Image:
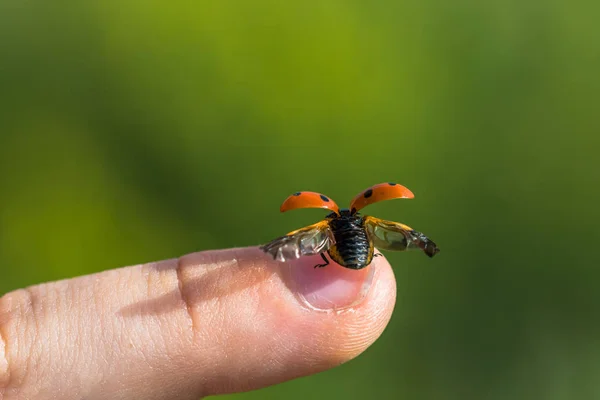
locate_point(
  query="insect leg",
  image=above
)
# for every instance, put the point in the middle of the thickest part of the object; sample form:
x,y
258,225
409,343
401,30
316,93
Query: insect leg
x,y
377,255
324,259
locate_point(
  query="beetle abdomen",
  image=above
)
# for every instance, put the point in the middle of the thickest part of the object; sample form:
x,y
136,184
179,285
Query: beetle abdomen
x,y
352,247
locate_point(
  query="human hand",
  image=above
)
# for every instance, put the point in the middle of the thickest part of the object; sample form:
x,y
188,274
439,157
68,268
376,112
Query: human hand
x,y
207,323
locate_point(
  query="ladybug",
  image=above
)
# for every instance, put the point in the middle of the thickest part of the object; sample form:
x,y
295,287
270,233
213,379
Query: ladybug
x,y
348,237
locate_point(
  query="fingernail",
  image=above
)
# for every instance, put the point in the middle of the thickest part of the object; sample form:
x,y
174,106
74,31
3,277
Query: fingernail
x,y
332,287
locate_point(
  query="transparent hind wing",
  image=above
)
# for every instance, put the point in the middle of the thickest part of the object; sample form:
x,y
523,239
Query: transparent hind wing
x,y
394,236
310,240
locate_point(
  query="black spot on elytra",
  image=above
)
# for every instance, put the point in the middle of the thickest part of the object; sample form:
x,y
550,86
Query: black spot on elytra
x,y
392,183
324,198
368,193
297,193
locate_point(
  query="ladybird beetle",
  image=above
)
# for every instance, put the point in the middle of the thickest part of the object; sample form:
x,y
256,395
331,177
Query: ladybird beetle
x,y
344,234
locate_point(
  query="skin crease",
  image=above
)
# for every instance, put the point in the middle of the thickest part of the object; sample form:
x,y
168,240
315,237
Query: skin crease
x,y
207,323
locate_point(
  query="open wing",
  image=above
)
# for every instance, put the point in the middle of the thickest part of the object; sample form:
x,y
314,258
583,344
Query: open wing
x,y
394,236
310,240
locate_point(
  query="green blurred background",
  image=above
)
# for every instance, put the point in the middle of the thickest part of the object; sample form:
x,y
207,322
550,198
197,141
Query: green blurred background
x,y
138,131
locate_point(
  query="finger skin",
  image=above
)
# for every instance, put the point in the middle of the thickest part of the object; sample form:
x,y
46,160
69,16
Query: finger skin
x,y
206,323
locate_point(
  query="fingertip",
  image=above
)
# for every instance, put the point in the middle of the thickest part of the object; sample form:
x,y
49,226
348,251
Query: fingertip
x,y
346,332
288,314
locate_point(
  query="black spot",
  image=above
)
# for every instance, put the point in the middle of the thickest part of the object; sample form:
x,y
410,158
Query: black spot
x,y
392,183
353,211
368,193
324,198
297,193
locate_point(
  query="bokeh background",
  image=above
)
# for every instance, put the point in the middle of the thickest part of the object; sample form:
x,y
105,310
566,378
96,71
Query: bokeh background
x,y
137,131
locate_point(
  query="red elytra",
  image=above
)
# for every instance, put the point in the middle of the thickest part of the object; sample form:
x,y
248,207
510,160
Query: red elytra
x,y
380,192
309,200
